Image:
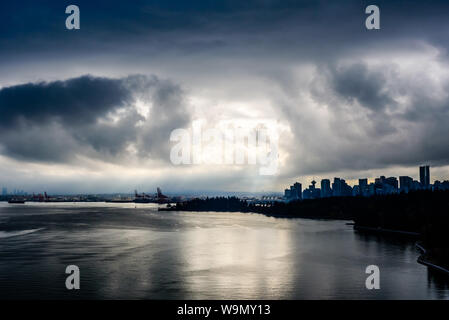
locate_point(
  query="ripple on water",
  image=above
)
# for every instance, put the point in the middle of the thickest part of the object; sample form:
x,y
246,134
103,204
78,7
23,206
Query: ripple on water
x,y
9,234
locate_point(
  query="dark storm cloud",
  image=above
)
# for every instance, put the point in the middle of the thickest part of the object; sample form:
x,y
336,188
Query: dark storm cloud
x,y
169,111
89,116
79,100
376,117
310,28
357,83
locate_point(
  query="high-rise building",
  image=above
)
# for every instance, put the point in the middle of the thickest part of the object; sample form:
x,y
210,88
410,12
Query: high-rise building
x,y
388,185
392,182
336,187
294,193
424,176
340,188
345,189
406,184
363,183
326,190
4,191
356,191
362,188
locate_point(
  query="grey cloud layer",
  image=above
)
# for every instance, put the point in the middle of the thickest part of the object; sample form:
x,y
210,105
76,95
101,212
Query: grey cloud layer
x,y
90,116
313,29
346,115
366,117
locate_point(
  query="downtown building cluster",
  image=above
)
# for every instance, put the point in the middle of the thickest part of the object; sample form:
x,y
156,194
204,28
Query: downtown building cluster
x,y
15,192
380,186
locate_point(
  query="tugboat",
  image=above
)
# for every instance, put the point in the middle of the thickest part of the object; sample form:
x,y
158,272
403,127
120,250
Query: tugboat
x,y
16,201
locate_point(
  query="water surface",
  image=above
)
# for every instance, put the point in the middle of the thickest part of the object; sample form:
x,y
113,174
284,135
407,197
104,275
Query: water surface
x,y
126,251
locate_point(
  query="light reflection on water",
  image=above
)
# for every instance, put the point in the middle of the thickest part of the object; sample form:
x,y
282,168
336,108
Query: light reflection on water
x,y
126,251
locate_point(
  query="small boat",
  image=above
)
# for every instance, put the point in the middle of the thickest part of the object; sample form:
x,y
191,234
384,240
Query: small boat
x,y
142,200
14,200
119,201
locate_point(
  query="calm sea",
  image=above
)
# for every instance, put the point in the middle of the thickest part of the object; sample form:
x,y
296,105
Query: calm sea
x,y
126,251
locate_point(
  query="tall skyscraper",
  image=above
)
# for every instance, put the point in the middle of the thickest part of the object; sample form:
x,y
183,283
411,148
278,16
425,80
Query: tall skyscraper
x,y
406,183
393,182
4,191
326,190
424,175
346,190
363,183
298,191
294,193
337,187
362,188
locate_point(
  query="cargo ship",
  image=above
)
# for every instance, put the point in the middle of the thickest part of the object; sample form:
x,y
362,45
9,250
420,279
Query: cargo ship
x,y
145,198
16,201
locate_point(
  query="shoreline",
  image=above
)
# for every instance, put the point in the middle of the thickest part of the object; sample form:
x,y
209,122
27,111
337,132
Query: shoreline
x,y
387,231
422,260
271,215
422,257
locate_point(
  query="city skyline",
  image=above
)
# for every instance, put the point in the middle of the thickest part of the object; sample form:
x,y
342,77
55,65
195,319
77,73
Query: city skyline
x,y
365,187
327,186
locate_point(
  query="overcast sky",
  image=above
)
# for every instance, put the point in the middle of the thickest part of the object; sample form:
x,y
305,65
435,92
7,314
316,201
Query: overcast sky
x,y
91,110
